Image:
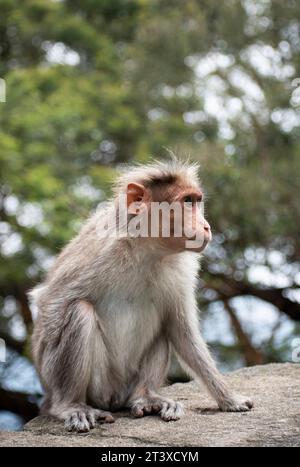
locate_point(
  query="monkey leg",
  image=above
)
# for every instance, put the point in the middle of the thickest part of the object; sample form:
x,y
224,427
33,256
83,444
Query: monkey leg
x,y
66,368
145,400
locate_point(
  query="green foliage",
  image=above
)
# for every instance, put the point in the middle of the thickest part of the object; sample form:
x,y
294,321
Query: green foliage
x,y
135,85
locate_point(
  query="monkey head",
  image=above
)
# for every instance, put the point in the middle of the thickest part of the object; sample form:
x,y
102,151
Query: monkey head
x,y
168,210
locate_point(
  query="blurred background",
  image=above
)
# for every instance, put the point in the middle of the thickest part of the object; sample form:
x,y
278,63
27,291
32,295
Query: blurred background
x,y
93,84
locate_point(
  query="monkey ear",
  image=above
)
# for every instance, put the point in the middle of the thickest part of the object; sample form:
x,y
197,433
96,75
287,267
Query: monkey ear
x,y
135,198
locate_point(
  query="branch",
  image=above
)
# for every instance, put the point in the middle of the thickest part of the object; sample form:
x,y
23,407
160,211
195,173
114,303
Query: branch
x,y
228,287
25,310
251,354
18,403
19,293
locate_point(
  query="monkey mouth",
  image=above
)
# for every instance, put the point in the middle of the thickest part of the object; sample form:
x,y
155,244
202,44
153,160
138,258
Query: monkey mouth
x,y
208,237
198,244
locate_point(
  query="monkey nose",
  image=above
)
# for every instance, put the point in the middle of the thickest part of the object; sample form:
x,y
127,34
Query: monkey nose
x,y
206,226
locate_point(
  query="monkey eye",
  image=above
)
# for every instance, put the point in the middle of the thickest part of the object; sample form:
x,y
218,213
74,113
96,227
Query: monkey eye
x,y
188,200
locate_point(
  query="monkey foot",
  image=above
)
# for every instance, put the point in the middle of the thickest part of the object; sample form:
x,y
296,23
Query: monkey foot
x,y
237,404
83,419
166,408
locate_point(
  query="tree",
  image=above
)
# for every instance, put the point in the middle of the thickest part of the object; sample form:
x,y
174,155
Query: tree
x,y
93,84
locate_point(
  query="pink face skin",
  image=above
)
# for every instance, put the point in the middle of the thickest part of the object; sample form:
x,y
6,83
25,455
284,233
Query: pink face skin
x,y
199,225
196,230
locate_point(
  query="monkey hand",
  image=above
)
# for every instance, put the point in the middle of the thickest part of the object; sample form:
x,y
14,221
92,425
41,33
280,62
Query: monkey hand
x,y
236,403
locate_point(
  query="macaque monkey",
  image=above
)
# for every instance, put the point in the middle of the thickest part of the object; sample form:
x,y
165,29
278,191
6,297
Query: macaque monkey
x,y
113,306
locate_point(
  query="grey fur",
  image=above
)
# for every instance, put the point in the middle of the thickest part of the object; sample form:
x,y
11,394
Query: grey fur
x,y
108,312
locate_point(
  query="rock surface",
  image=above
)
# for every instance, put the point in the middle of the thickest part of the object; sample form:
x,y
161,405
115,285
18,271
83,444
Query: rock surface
x,y
275,420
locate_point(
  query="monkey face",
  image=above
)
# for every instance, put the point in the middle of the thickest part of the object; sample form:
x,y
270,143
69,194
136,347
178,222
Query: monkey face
x,y
185,228
171,215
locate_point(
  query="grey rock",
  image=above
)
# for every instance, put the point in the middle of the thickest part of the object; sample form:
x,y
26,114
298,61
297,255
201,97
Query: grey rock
x,y
275,420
